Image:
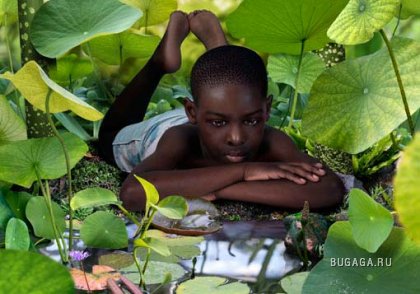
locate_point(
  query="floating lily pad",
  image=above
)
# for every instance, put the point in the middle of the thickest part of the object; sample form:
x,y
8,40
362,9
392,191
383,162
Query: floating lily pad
x,y
371,222
116,260
293,284
12,127
60,25
211,285
200,220
407,190
281,26
70,68
25,272
34,84
346,268
104,230
93,197
17,235
155,272
39,216
117,48
97,280
283,69
358,102
22,160
360,19
155,11
8,11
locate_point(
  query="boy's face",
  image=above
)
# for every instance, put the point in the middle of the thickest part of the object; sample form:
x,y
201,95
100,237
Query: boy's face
x,y
230,120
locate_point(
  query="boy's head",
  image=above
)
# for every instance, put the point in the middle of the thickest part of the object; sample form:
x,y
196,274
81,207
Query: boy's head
x,y
230,108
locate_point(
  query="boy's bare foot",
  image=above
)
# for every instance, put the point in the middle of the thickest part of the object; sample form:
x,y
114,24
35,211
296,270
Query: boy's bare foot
x,y
168,53
207,29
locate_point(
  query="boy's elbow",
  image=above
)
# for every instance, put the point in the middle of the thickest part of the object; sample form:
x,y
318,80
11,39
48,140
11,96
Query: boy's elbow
x,y
335,191
133,198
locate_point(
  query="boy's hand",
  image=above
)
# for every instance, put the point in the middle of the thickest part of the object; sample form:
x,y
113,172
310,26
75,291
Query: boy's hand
x,y
294,171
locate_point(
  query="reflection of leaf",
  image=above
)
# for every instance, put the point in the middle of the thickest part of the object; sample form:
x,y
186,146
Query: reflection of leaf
x,y
358,102
93,197
96,280
211,285
155,272
12,128
60,25
34,84
371,222
280,26
365,272
155,11
407,190
360,19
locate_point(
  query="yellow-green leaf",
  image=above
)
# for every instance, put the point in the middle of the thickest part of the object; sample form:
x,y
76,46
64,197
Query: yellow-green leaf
x,y
12,128
154,11
152,195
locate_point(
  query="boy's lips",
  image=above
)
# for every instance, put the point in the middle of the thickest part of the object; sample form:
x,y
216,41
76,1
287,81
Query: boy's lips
x,y
235,156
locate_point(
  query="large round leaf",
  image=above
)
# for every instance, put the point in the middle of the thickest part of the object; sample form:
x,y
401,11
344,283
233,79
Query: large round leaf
x,y
104,230
12,128
357,102
281,26
117,48
38,214
155,11
29,272
155,272
360,19
346,268
407,190
293,284
283,69
17,235
371,222
34,84
21,160
92,197
60,25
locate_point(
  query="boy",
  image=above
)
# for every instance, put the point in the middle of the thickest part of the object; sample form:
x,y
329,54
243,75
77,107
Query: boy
x,y
222,148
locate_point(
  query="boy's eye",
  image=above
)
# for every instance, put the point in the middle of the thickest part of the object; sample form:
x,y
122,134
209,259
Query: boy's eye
x,y
251,122
218,123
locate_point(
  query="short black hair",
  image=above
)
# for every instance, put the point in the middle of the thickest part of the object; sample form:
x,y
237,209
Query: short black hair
x,y
229,65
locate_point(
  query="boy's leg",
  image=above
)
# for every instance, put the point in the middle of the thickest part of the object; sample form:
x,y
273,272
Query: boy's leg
x,y
206,27
131,105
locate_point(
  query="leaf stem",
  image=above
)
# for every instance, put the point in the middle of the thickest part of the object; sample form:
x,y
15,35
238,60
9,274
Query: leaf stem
x,y
295,95
128,215
400,84
141,283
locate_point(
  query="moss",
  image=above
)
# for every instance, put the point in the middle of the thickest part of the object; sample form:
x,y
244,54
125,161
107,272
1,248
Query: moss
x,y
338,161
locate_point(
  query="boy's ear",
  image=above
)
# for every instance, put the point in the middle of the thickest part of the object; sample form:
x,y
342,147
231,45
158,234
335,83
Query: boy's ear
x,y
268,102
190,110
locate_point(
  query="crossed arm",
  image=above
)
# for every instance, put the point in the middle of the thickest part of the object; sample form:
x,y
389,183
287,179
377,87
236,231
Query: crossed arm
x,y
287,181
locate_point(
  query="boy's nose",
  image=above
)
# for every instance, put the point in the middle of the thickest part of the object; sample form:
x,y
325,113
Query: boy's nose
x,y
235,136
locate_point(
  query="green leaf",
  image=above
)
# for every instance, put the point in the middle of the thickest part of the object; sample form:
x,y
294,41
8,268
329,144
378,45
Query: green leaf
x,y
409,7
8,11
293,284
283,69
360,19
22,160
73,126
365,272
17,235
155,272
173,240
155,11
280,26
70,68
117,48
60,25
39,216
407,190
28,272
371,222
34,84
93,197
211,285
174,207
358,102
154,244
152,195
104,230
12,128
17,202
5,211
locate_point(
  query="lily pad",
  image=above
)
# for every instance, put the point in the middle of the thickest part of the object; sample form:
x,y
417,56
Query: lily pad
x,y
17,235
155,272
8,11
25,272
360,19
34,84
358,102
200,220
371,222
293,284
22,160
173,240
104,230
93,197
12,128
407,190
116,260
70,68
155,11
116,49
211,285
60,25
346,268
283,69
97,280
281,26
39,216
